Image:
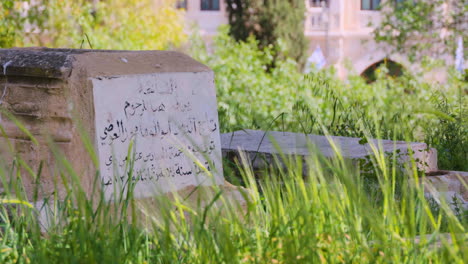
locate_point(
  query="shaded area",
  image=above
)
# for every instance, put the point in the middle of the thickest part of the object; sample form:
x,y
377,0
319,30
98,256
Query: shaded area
x,y
395,69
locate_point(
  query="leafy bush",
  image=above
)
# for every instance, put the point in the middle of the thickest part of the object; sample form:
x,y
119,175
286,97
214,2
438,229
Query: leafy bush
x,y
271,23
110,24
248,94
403,108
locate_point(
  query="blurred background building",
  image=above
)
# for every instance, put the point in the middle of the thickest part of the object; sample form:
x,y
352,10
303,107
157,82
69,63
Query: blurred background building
x,y
340,29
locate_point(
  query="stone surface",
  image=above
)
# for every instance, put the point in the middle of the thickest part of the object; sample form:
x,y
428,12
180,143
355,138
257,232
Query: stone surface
x,y
196,198
448,185
438,240
157,106
170,117
271,143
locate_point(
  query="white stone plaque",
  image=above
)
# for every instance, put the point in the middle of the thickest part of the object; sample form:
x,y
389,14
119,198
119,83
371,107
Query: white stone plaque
x,y
158,132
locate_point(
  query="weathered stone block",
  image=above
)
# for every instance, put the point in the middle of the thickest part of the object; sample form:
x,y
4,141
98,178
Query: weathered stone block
x,y
261,147
154,108
448,185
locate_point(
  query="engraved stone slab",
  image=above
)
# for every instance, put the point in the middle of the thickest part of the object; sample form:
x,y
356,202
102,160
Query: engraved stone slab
x,y
150,115
166,123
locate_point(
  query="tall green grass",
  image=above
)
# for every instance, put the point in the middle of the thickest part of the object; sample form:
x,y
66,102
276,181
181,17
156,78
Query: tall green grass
x,y
328,215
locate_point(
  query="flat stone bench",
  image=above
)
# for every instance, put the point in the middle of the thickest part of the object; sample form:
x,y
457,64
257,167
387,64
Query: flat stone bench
x,y
267,145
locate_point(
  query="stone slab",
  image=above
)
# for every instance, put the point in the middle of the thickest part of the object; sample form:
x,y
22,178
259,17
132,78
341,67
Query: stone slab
x,y
271,143
448,185
171,120
193,197
157,108
59,63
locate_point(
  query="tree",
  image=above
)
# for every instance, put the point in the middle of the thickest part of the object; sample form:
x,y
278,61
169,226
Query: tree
x,y
273,22
423,28
105,24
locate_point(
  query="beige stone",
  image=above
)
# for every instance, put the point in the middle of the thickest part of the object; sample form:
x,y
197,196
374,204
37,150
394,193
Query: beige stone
x,y
261,147
61,95
220,200
447,185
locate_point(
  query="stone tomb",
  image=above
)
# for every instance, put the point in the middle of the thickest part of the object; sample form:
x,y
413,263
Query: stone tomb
x,y
261,147
152,113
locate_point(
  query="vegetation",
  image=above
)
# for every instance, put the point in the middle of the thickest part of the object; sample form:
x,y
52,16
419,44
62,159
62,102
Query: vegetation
x,y
336,214
423,28
408,107
329,217
13,22
273,23
91,24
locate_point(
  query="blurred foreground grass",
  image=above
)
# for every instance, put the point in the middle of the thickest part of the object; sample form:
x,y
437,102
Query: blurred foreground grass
x,y
329,216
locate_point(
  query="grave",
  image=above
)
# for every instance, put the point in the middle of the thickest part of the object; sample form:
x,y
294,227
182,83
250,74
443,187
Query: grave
x,y
261,148
151,113
264,148
450,186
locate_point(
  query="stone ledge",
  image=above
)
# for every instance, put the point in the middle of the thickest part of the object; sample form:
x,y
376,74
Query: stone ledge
x,y
192,197
59,63
448,185
271,143
35,62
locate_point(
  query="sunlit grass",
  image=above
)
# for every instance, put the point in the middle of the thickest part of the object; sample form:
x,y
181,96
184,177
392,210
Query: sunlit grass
x,y
332,214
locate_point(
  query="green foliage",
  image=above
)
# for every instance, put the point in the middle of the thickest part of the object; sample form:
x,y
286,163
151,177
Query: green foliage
x,y
451,135
248,94
407,107
273,22
423,28
9,22
110,24
17,20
